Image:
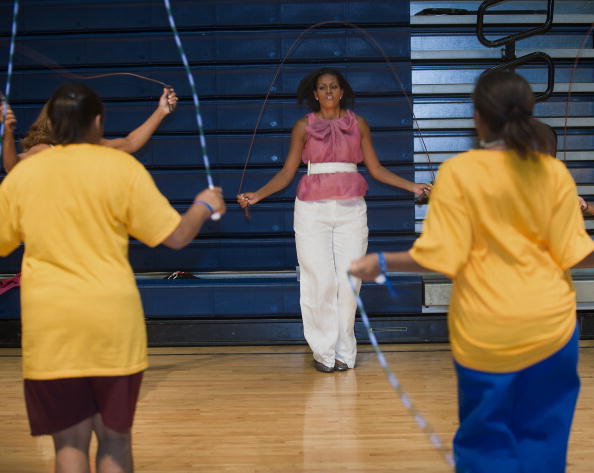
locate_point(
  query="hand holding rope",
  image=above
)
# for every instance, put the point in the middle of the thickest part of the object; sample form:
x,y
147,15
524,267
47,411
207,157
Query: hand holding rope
x,y
382,277
6,96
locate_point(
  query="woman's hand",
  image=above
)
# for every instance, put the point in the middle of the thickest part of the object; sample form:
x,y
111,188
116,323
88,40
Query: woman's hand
x,y
168,101
367,268
421,189
10,117
247,198
214,197
583,204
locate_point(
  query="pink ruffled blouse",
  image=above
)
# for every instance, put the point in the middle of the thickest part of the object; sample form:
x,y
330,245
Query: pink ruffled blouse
x,y
332,141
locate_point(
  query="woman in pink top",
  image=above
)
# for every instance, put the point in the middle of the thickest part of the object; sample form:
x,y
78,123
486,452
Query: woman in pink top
x,y
330,218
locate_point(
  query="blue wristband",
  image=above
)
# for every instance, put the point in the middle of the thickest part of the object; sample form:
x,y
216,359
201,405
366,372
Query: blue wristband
x,y
381,259
383,266
206,204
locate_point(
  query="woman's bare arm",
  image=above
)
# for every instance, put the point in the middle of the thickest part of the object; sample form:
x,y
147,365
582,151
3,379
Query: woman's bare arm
x,y
379,172
137,138
282,178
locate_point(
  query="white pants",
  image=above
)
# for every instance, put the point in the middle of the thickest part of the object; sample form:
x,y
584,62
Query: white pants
x,y
329,234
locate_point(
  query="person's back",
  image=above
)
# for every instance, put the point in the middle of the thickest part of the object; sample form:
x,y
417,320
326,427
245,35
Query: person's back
x,y
76,205
83,333
78,200
504,225
512,301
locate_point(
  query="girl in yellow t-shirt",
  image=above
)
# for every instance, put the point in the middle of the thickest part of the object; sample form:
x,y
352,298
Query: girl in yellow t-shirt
x,y
504,226
83,332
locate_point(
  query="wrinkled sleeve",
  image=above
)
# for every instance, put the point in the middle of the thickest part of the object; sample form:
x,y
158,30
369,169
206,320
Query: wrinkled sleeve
x,y
10,237
445,243
568,241
150,217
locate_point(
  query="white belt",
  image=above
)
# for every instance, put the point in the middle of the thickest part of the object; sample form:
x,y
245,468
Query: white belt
x,y
329,168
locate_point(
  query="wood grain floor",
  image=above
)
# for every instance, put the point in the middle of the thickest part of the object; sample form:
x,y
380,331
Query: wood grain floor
x,y
264,409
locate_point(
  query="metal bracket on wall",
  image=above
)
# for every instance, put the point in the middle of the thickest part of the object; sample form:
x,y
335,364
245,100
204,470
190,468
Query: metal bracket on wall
x,y
509,53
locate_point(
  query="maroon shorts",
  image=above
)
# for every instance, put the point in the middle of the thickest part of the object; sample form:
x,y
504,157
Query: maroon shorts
x,y
57,404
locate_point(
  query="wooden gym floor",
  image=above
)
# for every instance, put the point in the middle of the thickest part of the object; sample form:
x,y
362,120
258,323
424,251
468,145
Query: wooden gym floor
x,y
266,410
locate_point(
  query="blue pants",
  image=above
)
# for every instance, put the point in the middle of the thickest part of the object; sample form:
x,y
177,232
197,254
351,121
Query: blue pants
x,y
517,422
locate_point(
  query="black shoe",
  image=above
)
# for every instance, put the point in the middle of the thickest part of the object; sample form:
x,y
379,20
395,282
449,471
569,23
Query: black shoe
x,y
322,367
340,365
181,275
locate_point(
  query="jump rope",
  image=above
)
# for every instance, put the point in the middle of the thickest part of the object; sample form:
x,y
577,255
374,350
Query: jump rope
x,y
293,46
180,48
406,401
6,96
421,421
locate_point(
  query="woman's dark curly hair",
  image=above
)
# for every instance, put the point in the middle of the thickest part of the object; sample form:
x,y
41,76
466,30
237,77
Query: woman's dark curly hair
x,y
305,91
39,132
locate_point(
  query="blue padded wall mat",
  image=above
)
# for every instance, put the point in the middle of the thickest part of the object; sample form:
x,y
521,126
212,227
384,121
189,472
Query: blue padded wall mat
x,y
228,254
270,149
108,15
10,304
244,297
261,297
234,116
220,47
218,80
234,48
183,185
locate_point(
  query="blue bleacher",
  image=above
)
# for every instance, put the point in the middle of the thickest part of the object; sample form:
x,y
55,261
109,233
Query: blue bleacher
x,y
235,49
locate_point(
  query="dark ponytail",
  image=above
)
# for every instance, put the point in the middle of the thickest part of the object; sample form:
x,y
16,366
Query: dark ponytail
x,y
505,103
71,111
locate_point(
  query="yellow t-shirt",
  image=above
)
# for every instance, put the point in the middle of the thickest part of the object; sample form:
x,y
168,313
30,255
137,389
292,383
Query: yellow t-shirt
x,y
74,207
506,231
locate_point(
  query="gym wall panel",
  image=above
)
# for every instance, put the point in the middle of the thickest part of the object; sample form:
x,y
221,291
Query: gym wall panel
x,y
238,52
